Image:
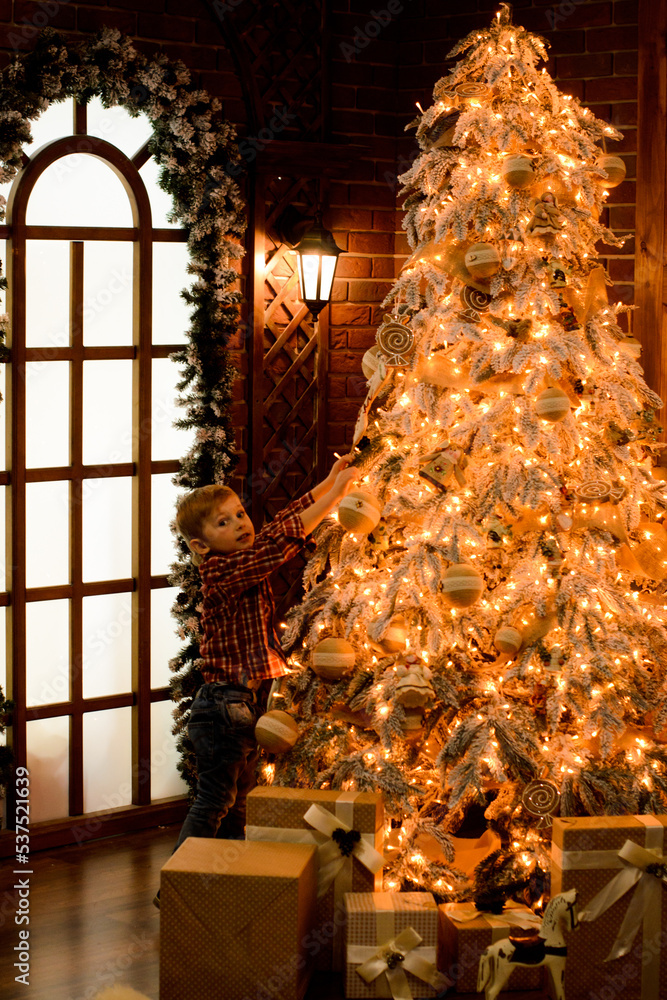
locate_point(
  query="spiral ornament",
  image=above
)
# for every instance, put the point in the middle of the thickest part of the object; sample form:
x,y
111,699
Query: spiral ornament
x,y
469,92
541,797
396,341
475,301
593,491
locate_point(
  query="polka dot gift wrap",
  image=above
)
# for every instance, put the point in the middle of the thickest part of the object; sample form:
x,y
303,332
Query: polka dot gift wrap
x,y
234,917
585,856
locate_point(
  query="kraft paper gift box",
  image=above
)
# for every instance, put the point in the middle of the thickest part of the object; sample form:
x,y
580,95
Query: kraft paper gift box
x,y
608,855
305,815
391,945
234,919
465,932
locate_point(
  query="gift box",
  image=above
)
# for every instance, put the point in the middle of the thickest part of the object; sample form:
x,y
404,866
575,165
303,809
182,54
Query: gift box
x,y
234,920
465,932
330,821
622,907
390,945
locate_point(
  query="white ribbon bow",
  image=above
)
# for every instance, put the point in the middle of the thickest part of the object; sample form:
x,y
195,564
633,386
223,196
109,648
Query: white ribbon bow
x,y
510,918
394,958
645,899
330,857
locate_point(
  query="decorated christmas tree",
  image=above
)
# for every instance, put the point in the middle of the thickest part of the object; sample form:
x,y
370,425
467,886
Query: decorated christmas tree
x,y
482,630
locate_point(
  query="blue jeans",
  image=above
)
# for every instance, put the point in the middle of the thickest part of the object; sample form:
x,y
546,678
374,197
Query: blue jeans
x,y
222,731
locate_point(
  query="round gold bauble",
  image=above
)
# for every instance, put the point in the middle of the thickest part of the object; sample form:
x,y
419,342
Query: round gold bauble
x,y
518,171
359,512
461,585
276,731
614,168
651,553
395,635
482,260
333,658
508,639
369,362
552,405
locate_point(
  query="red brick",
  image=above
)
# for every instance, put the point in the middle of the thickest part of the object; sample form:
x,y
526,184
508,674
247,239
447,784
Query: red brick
x,y
195,8
361,340
5,10
626,63
575,88
94,20
380,195
196,57
357,386
626,12
343,97
352,122
371,243
368,291
621,217
344,361
341,237
152,6
342,314
340,291
622,270
38,17
584,16
623,114
384,267
337,339
566,42
354,267
385,76
360,74
336,385
346,409
584,65
616,88
351,218
627,144
177,29
387,222
611,39
385,124
339,194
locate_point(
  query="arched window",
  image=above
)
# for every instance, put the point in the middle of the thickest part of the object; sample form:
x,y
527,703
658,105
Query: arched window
x,y
95,272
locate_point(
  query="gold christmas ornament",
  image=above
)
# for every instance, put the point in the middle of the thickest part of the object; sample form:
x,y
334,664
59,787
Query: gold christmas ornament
x,y
615,169
472,92
593,490
359,512
541,797
517,170
461,585
552,404
276,731
395,635
482,260
651,553
333,658
369,362
508,639
414,689
396,341
474,302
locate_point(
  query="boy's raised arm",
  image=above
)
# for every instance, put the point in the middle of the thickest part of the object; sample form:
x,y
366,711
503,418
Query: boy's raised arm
x,y
336,487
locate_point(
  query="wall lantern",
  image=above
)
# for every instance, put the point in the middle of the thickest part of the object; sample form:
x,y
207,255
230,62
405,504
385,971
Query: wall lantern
x,y
316,256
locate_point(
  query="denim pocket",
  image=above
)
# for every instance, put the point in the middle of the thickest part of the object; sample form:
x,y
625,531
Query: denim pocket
x,y
202,737
240,714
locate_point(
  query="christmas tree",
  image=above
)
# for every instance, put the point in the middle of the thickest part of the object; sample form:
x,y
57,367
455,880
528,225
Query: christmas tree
x,y
483,621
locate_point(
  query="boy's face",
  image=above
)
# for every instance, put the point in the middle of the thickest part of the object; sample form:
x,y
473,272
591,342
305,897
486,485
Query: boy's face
x,y
226,529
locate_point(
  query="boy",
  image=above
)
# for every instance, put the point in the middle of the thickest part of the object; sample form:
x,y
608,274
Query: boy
x,y
239,646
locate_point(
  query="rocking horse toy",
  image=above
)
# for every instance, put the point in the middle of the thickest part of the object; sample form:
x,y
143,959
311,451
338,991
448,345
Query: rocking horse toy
x,y
500,959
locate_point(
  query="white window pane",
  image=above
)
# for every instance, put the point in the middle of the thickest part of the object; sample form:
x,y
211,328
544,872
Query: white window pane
x,y
165,643
107,294
47,533
107,645
161,203
163,512
171,314
47,652
165,779
3,501
47,293
107,412
48,764
68,194
54,123
107,511
168,441
107,759
118,127
47,414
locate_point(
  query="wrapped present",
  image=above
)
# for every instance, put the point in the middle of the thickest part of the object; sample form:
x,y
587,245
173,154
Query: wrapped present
x,y
346,827
616,864
465,932
390,945
235,914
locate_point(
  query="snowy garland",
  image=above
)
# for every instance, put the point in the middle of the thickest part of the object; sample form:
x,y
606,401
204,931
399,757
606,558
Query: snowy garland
x,y
195,148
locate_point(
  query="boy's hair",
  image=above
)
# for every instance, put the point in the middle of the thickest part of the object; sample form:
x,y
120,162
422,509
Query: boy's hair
x,y
195,507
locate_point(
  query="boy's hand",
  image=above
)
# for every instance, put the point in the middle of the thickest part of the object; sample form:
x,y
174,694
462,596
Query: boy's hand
x,y
345,481
338,466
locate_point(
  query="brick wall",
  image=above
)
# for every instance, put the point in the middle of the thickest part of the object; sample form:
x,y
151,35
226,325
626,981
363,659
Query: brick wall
x,y
384,56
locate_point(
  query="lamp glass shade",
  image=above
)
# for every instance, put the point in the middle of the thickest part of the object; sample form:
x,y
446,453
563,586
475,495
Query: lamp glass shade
x,y
317,256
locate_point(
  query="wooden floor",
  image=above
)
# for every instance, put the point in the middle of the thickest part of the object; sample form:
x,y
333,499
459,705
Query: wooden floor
x,y
93,925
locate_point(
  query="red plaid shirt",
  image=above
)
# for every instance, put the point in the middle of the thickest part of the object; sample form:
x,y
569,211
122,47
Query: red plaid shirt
x,y
239,641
